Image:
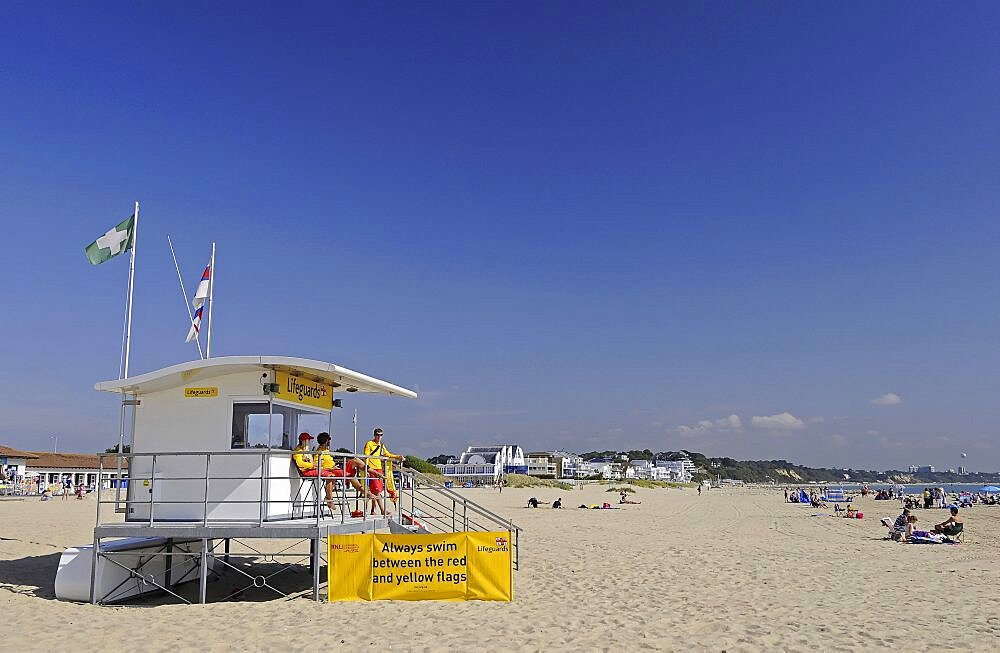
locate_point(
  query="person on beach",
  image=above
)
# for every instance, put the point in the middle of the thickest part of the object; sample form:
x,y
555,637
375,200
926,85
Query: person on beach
x,y
911,524
67,487
625,499
302,456
950,526
380,471
328,465
532,502
899,526
557,504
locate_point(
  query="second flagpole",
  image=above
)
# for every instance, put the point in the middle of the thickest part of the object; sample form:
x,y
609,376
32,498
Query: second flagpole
x,y
211,303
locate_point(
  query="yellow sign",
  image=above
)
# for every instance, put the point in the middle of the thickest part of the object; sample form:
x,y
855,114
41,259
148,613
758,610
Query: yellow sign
x,y
444,567
201,392
303,391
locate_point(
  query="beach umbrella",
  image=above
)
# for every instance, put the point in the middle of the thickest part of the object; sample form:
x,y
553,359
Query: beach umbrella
x,y
989,488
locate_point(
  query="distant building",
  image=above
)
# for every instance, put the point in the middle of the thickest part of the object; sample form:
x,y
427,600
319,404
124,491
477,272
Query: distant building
x,y
540,463
913,469
642,468
567,464
14,463
925,469
678,470
598,467
80,468
486,465
962,470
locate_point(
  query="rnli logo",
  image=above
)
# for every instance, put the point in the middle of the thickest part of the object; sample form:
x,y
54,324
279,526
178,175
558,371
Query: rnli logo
x,y
501,541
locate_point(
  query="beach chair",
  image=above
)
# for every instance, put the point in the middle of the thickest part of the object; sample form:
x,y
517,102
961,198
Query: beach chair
x,y
894,533
305,500
956,535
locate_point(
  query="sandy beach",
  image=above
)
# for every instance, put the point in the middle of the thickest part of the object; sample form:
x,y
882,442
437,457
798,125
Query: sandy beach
x,y
733,570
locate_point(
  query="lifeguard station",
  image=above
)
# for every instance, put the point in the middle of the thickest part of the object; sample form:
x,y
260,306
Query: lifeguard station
x,y
210,463
211,469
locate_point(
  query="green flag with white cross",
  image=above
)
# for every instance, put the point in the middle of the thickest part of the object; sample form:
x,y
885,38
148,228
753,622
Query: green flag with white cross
x,y
117,240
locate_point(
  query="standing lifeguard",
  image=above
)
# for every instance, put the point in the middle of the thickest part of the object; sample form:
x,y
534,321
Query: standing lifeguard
x,y
379,471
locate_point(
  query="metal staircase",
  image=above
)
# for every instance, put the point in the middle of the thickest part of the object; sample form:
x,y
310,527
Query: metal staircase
x,y
428,506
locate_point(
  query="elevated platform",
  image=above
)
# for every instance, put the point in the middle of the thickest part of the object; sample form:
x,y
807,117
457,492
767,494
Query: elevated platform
x,y
306,528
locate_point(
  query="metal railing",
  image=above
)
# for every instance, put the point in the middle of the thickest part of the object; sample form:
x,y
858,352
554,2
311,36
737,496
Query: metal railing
x,y
306,494
438,508
430,504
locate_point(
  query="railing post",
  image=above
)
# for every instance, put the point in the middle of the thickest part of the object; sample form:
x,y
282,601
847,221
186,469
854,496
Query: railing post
x,y
152,480
100,473
208,477
465,514
263,487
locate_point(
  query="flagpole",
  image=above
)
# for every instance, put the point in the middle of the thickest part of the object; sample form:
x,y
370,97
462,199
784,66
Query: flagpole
x,y
131,285
180,279
128,346
355,431
211,303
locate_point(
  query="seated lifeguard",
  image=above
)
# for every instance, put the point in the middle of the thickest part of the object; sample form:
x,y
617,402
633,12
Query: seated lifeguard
x,y
328,466
303,458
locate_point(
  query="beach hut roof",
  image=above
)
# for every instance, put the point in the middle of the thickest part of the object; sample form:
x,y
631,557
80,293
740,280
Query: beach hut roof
x,y
14,453
193,371
49,460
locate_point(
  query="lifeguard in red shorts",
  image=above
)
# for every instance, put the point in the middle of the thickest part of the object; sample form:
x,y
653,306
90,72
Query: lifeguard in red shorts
x,y
328,463
380,471
311,464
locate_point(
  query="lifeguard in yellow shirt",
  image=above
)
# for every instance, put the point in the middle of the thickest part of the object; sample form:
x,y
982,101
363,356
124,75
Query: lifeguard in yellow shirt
x,y
381,470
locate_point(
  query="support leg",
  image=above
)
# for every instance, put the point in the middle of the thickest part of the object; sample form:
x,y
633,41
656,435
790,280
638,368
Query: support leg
x,y
93,569
225,558
314,545
169,563
203,581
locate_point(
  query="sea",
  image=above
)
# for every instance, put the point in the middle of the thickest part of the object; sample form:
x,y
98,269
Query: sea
x,y
913,488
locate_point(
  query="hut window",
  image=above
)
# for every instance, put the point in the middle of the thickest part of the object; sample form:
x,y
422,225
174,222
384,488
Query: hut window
x,y
251,421
250,426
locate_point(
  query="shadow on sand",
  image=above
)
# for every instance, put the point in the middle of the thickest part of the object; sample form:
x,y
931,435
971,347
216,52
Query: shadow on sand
x,y
36,576
31,576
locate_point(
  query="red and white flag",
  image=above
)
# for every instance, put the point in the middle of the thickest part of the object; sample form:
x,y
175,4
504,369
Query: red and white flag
x,y
200,295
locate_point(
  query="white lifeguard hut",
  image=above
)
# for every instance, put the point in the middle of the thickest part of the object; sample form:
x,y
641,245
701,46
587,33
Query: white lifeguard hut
x,y
210,461
253,405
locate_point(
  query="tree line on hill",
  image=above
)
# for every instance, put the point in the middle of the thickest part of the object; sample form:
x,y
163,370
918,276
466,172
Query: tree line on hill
x,y
778,471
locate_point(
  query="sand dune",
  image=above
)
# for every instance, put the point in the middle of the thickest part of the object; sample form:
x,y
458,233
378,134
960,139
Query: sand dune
x,y
734,570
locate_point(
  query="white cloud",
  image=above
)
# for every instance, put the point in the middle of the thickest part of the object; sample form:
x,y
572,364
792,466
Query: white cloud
x,y
730,423
888,399
872,432
817,420
733,422
781,422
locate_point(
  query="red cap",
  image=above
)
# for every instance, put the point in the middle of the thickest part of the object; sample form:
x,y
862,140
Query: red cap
x,y
304,436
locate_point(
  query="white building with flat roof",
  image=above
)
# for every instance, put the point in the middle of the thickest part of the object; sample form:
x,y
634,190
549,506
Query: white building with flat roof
x,y
486,465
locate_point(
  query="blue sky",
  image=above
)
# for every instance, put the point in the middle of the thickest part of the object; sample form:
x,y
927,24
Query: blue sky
x,y
570,225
